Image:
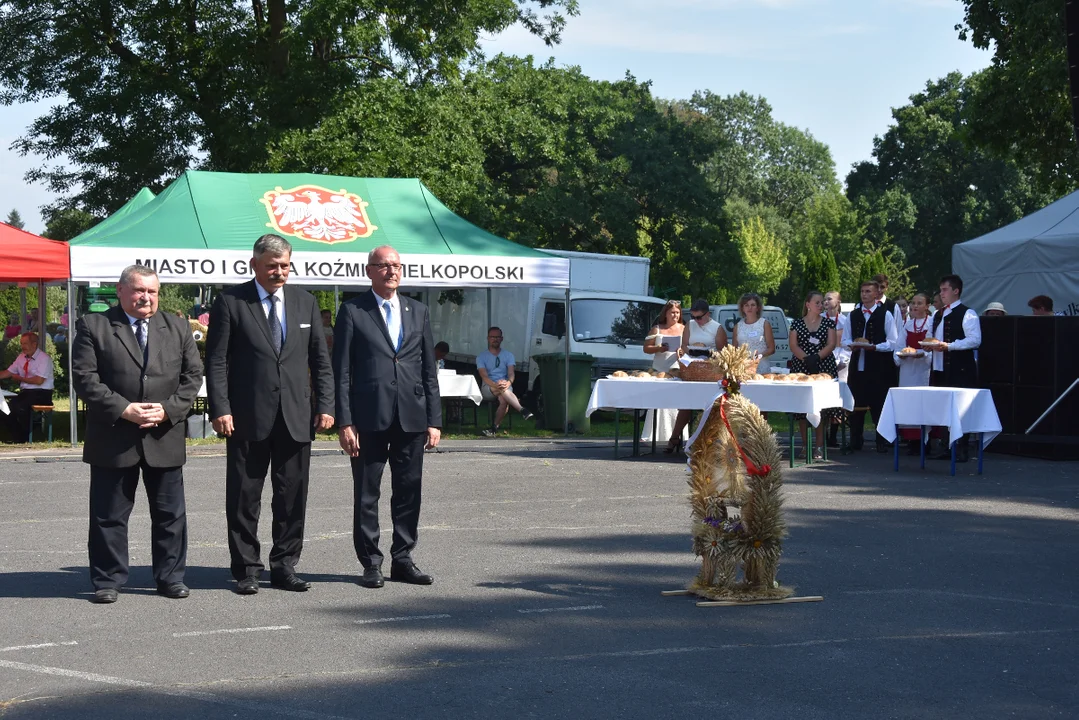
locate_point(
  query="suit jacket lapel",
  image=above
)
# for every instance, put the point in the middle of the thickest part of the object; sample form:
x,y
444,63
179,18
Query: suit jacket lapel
x,y
375,312
292,321
407,320
254,304
121,328
156,332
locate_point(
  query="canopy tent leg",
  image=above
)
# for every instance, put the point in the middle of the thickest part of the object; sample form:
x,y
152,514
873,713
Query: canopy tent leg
x,y
22,306
73,414
565,425
336,301
41,329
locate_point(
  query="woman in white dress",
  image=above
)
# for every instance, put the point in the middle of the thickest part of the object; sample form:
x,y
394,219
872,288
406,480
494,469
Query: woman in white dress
x,y
754,331
668,325
914,370
701,336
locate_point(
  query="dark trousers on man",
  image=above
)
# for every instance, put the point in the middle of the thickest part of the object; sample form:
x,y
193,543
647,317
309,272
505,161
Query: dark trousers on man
x,y
112,496
404,452
19,419
869,390
288,462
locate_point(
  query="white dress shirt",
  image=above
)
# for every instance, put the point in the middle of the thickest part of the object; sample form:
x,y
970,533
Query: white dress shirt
x,y
40,365
972,328
891,335
263,295
897,313
395,305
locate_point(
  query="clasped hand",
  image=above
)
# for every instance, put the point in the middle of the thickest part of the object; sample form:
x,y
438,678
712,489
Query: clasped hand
x,y
145,415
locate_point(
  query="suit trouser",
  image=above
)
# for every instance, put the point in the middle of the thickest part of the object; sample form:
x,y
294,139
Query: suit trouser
x,y
869,390
404,452
112,496
19,419
289,462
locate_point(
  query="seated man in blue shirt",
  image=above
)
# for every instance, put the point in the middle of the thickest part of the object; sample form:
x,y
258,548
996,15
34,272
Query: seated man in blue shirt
x,y
496,368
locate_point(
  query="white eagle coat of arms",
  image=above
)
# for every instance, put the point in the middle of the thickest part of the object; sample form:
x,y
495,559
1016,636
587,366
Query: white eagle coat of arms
x,y
315,213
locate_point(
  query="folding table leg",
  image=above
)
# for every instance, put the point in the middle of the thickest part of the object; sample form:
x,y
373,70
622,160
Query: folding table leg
x,y
790,417
921,441
617,414
953,456
636,433
981,448
655,415
896,445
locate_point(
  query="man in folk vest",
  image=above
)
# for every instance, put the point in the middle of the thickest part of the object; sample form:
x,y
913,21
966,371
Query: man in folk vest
x,y
871,371
955,364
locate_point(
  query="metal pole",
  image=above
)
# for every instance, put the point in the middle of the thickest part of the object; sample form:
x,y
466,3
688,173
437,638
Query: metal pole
x,y
1055,403
336,301
73,413
565,427
22,308
489,314
41,312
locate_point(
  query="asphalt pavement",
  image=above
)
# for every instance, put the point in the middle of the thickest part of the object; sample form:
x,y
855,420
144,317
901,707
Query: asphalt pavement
x,y
943,598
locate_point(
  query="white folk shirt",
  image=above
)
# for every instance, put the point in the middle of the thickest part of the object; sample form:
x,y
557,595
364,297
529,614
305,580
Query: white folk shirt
x,y
280,305
40,365
972,328
891,335
897,313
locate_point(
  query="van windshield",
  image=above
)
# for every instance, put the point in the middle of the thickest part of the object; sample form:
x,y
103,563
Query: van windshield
x,y
614,321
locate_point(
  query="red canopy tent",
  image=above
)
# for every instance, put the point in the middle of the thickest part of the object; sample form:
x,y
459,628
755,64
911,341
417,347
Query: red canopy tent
x,y
25,257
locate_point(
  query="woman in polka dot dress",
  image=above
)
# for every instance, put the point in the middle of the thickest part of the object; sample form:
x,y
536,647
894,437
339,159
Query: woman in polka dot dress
x,y
812,340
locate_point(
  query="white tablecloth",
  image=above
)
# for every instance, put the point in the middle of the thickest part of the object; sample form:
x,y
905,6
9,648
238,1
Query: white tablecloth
x,y
794,397
4,395
459,386
961,410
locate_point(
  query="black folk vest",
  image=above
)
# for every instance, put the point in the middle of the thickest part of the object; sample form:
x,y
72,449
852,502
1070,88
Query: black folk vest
x,y
960,366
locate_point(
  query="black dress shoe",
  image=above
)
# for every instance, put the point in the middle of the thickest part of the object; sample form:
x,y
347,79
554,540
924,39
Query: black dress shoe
x,y
883,447
104,596
409,573
372,577
175,591
247,586
290,583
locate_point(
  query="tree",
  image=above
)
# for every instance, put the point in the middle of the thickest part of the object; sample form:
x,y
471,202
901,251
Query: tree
x,y
14,219
819,271
151,89
758,158
1021,104
66,223
929,187
763,255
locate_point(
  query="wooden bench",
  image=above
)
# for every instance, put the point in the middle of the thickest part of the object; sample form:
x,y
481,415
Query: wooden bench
x,y
41,415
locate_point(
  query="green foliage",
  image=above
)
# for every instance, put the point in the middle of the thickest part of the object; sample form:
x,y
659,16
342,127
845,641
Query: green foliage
x,y
763,256
176,298
14,219
1020,105
66,223
151,89
819,271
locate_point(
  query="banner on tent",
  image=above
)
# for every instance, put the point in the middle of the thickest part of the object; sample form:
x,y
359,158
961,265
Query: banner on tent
x,y
228,267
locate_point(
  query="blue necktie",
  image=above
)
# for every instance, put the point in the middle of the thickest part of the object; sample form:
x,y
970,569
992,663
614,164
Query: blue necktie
x,y
393,325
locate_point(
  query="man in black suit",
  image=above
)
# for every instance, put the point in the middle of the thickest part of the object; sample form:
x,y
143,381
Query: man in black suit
x,y
388,410
265,352
138,371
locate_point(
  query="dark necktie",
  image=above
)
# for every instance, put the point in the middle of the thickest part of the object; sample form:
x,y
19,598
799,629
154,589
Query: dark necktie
x,y
140,334
275,324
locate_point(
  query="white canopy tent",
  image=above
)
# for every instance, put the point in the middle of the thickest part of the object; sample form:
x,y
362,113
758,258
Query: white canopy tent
x,y
1037,255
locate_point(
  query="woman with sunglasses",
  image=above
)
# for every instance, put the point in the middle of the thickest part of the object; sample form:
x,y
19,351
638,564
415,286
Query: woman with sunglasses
x,y
664,359
701,336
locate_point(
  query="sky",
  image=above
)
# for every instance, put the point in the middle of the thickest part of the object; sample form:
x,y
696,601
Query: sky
x,y
833,67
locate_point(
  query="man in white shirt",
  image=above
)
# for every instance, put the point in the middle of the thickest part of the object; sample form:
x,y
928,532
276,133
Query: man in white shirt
x,y
33,368
959,333
871,371
890,305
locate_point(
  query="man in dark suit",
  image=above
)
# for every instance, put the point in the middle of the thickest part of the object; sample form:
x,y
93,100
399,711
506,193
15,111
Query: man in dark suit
x,y
138,371
265,351
388,410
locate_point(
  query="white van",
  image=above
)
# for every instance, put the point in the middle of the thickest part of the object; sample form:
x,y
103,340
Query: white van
x,y
728,316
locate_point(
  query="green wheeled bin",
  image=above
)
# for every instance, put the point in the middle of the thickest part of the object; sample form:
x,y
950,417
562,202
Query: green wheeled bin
x,y
552,372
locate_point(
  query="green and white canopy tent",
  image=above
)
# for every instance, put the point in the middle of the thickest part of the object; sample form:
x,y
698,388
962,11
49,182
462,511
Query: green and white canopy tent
x,y
200,230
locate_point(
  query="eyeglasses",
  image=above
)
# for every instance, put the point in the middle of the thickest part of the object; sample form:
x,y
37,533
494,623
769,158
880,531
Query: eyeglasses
x,y
696,317
383,267
494,337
